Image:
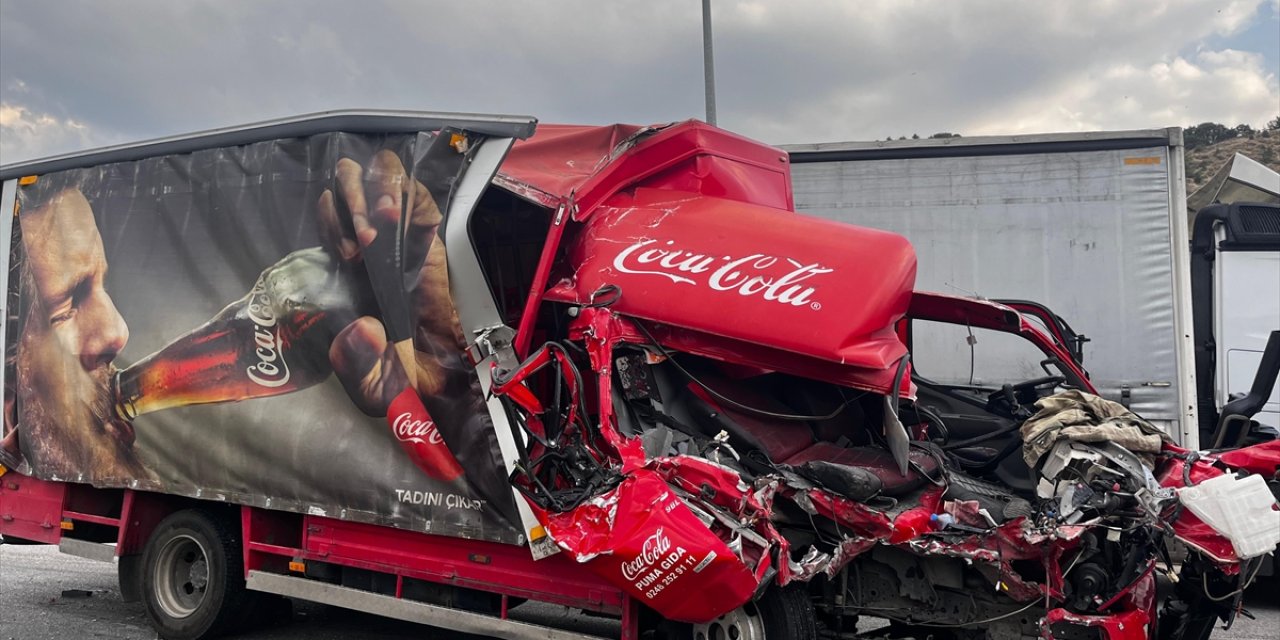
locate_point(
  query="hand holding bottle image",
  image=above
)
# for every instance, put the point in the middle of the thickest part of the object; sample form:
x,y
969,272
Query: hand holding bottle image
x,y
371,306
373,217
406,365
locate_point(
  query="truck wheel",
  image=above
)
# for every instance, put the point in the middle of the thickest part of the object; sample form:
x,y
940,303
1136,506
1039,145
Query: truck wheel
x,y
784,613
192,578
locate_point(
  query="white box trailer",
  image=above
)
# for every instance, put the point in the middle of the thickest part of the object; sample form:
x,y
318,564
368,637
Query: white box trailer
x,y
1093,225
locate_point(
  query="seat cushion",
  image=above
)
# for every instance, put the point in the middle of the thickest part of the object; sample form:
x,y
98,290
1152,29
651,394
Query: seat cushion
x,y
874,459
779,439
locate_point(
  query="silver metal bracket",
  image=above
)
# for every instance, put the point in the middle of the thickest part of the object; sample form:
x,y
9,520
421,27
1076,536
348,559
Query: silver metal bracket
x,y
494,341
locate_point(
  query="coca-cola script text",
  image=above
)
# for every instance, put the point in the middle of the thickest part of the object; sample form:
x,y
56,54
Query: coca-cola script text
x,y
656,545
781,280
409,429
271,370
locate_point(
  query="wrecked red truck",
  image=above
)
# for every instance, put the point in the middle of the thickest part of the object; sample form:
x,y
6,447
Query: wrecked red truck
x,y
432,366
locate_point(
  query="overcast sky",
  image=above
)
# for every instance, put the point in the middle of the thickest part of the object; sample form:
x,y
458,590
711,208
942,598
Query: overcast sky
x,y
75,75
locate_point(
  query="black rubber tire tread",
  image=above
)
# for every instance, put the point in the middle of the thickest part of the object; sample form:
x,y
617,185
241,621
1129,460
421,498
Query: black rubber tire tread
x,y
226,603
787,613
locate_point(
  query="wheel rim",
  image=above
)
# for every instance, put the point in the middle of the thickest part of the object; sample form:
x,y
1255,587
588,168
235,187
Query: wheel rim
x,y
743,623
182,576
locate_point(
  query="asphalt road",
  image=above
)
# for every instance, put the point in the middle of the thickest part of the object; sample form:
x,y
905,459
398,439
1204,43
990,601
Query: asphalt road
x,y
37,603
43,597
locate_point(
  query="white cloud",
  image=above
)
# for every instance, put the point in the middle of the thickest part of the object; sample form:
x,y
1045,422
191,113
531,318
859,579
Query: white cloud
x,y
897,68
799,71
1234,16
27,134
1231,87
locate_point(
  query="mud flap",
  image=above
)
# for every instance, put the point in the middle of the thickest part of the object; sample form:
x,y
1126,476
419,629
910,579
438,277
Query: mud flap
x,y
643,538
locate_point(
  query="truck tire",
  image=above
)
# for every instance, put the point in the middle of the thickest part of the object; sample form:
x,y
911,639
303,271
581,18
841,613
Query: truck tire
x,y
193,578
783,613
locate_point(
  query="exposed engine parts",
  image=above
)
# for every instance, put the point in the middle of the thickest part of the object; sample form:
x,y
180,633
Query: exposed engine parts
x,y
712,482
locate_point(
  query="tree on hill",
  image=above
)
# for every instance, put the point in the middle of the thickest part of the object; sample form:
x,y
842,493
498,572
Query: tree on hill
x,y
1211,133
1206,133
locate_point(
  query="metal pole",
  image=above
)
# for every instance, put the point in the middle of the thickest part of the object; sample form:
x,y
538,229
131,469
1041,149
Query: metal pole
x,y
708,62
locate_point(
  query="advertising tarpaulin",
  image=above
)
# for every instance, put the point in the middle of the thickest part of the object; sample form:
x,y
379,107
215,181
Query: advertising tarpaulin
x,y
267,324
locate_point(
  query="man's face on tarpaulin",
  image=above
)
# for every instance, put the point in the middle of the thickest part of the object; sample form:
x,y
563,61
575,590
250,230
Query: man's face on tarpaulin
x,y
72,332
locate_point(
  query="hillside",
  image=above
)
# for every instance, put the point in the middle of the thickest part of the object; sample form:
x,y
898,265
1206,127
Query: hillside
x,y
1202,162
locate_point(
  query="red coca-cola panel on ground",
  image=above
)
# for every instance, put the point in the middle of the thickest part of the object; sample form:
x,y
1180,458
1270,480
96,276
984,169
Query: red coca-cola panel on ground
x,y
644,539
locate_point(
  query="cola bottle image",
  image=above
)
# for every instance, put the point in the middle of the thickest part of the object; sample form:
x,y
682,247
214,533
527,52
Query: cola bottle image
x,y
274,340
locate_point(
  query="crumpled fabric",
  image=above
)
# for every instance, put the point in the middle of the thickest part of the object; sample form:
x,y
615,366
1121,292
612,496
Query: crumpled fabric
x,y
1083,417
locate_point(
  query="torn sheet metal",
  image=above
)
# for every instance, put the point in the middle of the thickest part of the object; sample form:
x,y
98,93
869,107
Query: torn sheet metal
x,y
698,532
642,537
1261,459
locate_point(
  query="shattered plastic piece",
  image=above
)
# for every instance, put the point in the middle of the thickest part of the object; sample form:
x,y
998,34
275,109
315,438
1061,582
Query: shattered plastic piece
x,y
1064,453
1188,527
896,435
1241,510
1074,496
967,514
813,563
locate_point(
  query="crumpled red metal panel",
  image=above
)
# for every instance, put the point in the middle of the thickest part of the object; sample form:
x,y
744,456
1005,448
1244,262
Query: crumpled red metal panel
x,y
1130,625
744,514
1262,459
739,355
858,518
558,158
588,164
647,541
743,271
994,552
941,307
1189,528
1134,622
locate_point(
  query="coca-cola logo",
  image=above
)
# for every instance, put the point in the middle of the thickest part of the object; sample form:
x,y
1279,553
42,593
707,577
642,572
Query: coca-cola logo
x,y
410,429
271,370
652,550
781,280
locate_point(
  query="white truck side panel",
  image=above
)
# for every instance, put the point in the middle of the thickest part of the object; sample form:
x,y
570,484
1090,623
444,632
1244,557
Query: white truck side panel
x,y
1092,234
1247,282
